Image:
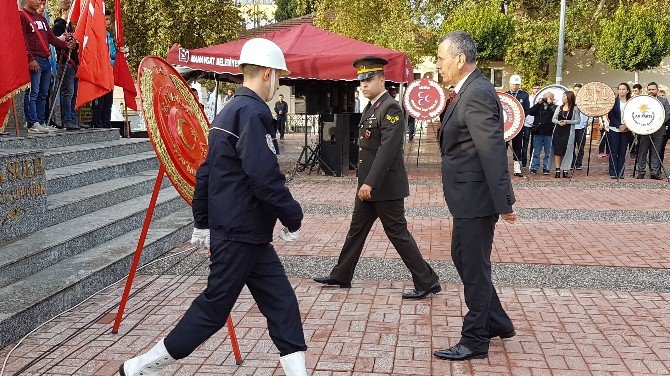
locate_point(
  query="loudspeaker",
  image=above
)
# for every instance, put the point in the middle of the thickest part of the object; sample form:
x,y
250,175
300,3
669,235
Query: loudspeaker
x,y
334,134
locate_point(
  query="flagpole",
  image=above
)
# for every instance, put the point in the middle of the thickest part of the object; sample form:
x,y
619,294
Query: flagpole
x,y
16,119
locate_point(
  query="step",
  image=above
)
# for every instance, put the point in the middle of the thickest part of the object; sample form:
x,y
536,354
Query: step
x,y
59,139
41,296
75,176
46,247
89,198
74,154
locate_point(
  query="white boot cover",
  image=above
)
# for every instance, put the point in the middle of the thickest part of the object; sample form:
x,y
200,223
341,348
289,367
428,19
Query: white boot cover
x,y
294,364
149,363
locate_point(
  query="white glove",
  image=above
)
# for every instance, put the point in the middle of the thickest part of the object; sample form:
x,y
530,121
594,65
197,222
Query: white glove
x,y
200,237
287,236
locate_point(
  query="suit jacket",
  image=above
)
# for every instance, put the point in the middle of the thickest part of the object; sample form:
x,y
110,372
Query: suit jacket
x,y
615,116
475,175
381,164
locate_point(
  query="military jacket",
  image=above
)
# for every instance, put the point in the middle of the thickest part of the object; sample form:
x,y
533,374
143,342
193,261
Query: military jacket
x,y
381,138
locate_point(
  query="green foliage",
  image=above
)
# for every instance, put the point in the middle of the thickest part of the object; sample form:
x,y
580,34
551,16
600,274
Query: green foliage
x,y
386,23
637,38
286,9
151,27
532,51
491,29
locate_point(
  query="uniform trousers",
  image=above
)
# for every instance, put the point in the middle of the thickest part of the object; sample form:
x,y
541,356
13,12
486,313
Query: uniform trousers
x,y
392,215
471,243
232,265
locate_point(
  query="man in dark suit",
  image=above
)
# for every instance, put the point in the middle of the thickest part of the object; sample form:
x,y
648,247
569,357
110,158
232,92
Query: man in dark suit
x,y
382,186
477,190
281,108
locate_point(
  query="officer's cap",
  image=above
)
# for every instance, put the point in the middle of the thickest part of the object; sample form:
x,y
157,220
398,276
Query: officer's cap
x,y
369,66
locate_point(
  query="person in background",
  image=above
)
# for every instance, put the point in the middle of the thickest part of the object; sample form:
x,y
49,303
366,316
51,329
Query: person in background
x,y
70,63
650,146
618,135
580,134
518,153
102,107
281,108
357,102
562,141
38,35
543,128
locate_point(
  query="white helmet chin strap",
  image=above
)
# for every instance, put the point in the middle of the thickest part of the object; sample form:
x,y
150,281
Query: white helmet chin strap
x,y
273,89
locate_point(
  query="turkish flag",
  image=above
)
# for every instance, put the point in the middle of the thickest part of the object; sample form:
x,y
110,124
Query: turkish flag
x,y
96,77
122,77
75,11
13,59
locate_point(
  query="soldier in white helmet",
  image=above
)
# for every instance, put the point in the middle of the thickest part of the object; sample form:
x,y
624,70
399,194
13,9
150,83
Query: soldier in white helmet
x,y
239,195
519,154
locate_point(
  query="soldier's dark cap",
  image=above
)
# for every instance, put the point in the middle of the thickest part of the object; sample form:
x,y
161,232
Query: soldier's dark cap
x,y
369,66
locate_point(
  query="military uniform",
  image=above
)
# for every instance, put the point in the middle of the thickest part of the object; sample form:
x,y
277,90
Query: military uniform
x,y
381,166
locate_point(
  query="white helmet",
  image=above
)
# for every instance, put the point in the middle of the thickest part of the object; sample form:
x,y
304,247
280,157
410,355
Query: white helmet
x,y
515,79
264,53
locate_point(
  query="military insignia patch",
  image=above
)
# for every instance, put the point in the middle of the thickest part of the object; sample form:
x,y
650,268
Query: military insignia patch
x,y
392,119
368,134
271,144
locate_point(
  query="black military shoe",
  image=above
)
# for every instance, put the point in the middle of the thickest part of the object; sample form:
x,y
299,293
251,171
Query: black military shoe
x,y
460,352
331,281
656,177
502,335
418,294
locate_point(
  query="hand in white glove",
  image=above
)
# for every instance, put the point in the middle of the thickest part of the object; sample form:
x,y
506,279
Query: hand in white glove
x,y
200,237
287,236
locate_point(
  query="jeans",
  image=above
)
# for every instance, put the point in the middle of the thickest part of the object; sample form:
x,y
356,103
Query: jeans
x,y
102,111
35,100
618,143
68,96
541,142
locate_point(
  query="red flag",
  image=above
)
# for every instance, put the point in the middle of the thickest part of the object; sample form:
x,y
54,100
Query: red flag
x,y
75,12
95,74
122,77
13,59
4,113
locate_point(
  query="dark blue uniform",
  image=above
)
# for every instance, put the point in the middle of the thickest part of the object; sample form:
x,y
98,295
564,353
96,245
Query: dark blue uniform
x,y
520,152
239,195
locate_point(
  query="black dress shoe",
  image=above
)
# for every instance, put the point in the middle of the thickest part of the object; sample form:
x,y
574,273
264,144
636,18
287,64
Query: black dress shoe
x,y
640,176
420,294
331,281
504,335
460,352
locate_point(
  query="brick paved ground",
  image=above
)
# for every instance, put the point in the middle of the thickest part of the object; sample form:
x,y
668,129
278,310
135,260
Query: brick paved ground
x,y
369,330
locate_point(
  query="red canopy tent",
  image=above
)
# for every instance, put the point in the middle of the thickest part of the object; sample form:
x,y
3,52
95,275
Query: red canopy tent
x,y
311,53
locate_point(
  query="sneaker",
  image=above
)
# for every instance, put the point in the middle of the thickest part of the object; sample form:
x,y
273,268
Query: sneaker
x,y
84,126
602,155
533,171
49,128
37,129
578,168
545,172
72,127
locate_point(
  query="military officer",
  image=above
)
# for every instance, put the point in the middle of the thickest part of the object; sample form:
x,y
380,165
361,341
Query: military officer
x,y
382,186
239,195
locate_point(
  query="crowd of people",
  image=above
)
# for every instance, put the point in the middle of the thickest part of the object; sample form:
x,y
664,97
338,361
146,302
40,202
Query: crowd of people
x,y
53,56
555,135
